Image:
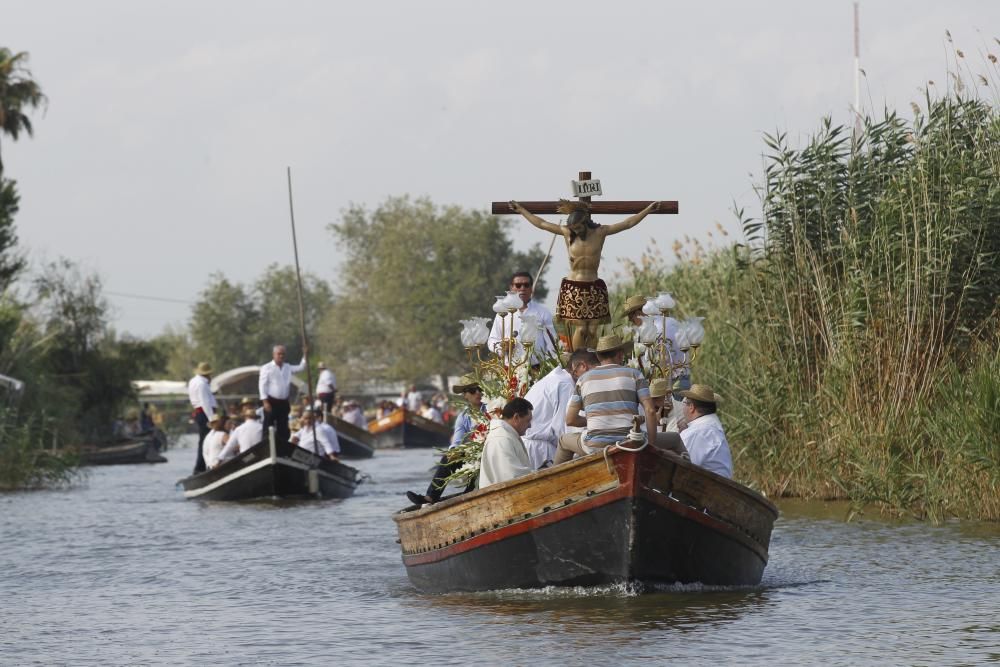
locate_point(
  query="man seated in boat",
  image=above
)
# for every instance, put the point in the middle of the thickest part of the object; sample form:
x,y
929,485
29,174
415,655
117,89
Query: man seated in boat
x,y
704,436
549,398
352,414
610,396
504,455
428,411
313,433
468,388
215,441
244,436
669,413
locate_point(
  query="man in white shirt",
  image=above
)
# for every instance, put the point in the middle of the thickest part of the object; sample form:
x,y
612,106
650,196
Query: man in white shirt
x,y
244,436
214,442
521,282
413,399
704,436
504,455
204,406
549,398
275,377
317,437
353,414
326,387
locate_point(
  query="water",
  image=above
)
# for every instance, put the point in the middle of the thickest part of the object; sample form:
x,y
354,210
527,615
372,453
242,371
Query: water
x,y
123,570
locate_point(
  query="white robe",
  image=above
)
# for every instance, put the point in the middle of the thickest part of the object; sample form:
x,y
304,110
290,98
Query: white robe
x,y
504,455
549,398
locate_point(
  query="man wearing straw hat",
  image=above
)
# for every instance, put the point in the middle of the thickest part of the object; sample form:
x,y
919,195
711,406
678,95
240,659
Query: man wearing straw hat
x,y
704,436
214,442
468,388
611,396
204,406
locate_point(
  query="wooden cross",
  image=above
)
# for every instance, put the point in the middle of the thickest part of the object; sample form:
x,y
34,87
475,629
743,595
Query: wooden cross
x,y
596,208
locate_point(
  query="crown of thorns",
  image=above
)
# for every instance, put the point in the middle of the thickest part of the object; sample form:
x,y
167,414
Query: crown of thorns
x,y
567,206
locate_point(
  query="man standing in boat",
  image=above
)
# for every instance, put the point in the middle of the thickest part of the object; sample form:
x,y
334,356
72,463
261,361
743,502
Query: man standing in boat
x,y
275,378
468,388
326,387
549,397
522,283
204,406
704,436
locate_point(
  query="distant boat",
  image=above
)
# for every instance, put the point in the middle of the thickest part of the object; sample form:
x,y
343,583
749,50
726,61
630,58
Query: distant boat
x,y
271,470
611,517
138,450
355,442
403,428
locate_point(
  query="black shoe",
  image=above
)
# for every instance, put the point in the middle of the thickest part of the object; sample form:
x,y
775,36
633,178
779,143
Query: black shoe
x,y
417,499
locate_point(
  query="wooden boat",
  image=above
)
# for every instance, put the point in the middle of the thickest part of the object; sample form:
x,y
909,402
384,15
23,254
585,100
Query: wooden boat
x,y
355,442
403,428
644,517
272,470
139,450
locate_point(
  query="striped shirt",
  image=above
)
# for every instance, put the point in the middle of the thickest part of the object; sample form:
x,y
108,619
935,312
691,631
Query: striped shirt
x,y
609,396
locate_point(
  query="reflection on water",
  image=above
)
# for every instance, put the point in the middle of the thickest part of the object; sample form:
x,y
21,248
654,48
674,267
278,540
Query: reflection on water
x,y
123,570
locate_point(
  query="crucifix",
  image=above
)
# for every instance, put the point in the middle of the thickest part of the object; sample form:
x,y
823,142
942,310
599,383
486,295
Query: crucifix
x,y
583,296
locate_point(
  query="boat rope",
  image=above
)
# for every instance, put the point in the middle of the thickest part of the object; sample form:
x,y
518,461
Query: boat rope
x,y
633,436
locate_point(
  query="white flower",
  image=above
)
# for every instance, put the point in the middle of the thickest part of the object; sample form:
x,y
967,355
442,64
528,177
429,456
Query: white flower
x,y
495,405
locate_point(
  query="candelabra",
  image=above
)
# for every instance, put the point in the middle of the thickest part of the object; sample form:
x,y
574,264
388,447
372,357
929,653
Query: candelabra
x,y
513,352
670,355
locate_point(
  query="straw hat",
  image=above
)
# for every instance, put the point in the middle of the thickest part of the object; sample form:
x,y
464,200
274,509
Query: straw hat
x,y
248,401
465,383
701,393
216,419
204,368
608,344
321,365
659,387
632,304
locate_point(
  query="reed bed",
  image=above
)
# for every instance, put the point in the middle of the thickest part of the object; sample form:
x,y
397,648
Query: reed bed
x,y
853,335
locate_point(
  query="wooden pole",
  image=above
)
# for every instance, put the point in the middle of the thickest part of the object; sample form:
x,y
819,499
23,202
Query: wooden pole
x,y
302,311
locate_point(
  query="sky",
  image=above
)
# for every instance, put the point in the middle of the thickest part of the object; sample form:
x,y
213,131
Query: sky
x,y
161,156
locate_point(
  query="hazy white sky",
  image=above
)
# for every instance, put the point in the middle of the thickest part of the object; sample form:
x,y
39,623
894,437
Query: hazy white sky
x,y
161,157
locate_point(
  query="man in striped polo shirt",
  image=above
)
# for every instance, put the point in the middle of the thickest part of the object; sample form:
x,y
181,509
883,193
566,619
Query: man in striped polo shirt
x,y
610,395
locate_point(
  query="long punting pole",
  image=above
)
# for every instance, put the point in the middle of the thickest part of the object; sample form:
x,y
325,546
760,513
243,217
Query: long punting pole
x,y
857,70
302,309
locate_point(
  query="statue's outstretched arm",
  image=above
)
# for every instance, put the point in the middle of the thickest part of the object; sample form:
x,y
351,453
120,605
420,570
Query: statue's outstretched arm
x,y
535,220
632,221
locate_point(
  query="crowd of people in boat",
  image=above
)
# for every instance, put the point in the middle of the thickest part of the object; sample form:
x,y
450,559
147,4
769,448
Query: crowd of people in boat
x,y
590,401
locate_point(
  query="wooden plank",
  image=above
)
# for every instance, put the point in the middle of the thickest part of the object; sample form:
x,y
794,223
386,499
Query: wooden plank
x,y
596,208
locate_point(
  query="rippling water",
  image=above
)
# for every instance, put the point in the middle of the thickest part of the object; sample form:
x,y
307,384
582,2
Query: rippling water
x,y
123,570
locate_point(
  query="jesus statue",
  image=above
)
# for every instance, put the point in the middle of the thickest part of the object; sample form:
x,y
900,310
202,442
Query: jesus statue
x,y
583,297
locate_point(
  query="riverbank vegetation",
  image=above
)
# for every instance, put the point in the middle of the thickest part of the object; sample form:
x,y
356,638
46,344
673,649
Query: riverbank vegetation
x,y
854,336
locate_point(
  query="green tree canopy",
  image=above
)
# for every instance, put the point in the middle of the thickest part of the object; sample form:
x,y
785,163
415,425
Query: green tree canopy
x,y
412,270
11,262
18,94
237,325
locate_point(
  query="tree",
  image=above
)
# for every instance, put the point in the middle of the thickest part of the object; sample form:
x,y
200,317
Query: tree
x,y
18,94
234,325
412,271
11,263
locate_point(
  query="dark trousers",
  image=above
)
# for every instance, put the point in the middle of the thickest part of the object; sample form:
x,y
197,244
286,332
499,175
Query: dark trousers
x,y
201,419
443,471
327,398
278,418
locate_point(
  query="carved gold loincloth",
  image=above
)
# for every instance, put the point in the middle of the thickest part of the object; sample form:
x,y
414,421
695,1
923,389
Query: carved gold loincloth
x,y
581,302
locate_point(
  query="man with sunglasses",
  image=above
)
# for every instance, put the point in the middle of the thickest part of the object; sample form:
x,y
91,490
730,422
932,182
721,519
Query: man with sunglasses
x,y
470,390
522,283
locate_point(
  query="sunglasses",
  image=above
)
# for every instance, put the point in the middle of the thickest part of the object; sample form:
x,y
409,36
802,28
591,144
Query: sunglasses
x,y
520,285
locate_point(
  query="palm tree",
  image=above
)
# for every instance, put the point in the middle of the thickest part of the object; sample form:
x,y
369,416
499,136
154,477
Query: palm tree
x,y
18,94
